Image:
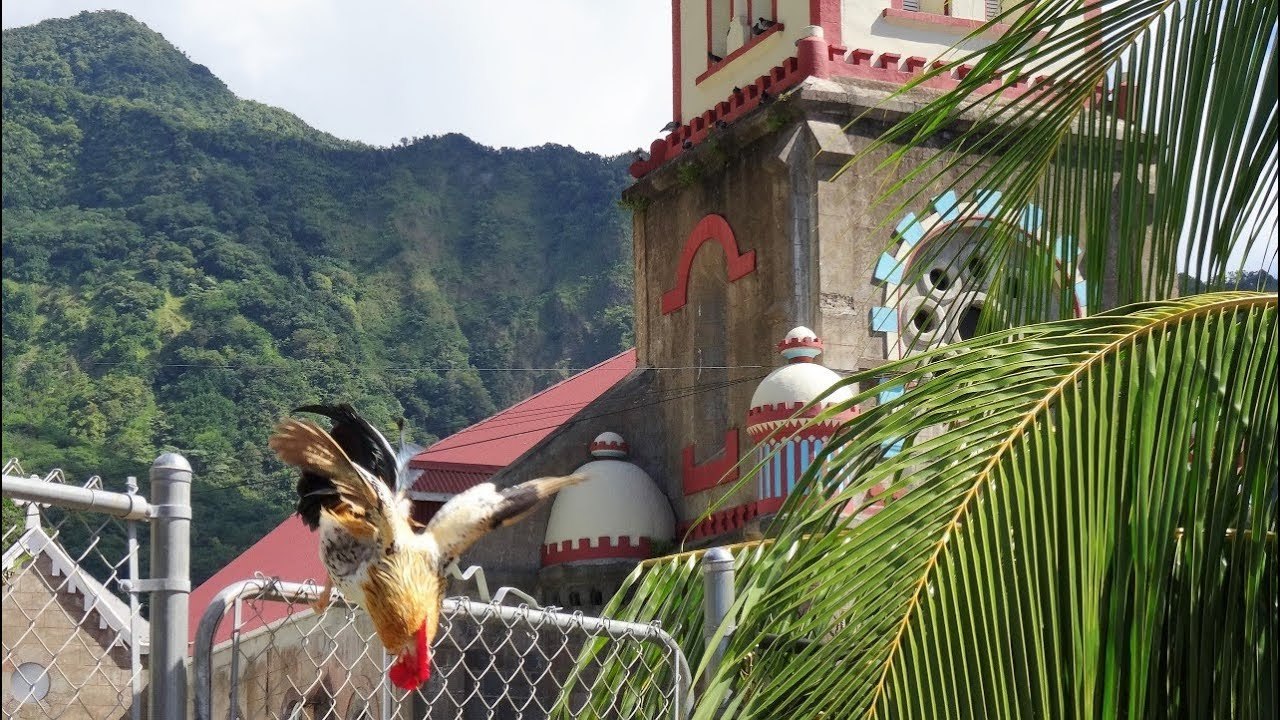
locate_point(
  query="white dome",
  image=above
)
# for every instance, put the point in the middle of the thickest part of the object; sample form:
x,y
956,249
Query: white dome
x,y
798,383
802,379
618,500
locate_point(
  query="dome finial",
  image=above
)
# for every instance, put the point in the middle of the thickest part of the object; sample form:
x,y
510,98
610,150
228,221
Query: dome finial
x,y
609,445
800,345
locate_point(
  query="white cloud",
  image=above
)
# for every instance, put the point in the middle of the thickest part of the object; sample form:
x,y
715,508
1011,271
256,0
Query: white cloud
x,y
576,72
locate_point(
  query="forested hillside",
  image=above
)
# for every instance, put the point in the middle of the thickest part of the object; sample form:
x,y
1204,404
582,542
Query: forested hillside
x,y
182,267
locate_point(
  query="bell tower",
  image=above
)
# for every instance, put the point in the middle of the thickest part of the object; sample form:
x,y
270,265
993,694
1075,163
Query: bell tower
x,y
744,228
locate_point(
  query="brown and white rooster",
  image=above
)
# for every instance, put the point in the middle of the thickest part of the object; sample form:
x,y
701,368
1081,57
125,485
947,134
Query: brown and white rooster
x,y
374,553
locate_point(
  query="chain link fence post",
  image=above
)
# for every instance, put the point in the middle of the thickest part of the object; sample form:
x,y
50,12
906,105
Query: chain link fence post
x,y
135,608
717,600
170,584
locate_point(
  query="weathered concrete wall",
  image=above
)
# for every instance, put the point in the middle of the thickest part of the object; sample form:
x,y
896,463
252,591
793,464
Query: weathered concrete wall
x,y
817,234
725,324
43,625
816,239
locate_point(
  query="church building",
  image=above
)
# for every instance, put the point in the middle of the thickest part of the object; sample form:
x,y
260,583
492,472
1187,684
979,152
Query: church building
x,y
750,244
761,277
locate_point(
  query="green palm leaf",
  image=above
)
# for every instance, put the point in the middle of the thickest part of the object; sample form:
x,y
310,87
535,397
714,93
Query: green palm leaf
x,y
1152,145
1093,536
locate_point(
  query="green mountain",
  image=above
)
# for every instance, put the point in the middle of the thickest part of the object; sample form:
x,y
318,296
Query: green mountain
x,y
182,267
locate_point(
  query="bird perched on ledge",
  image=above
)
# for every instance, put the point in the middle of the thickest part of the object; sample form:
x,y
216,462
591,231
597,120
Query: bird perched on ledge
x,y
371,549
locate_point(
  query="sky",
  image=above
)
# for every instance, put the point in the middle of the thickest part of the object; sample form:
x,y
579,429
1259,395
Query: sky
x,y
591,74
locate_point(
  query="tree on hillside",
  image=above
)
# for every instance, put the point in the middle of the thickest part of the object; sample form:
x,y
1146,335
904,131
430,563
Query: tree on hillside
x,y
1094,536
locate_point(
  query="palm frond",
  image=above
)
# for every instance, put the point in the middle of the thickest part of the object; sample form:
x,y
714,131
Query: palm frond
x,y
1092,536
1150,143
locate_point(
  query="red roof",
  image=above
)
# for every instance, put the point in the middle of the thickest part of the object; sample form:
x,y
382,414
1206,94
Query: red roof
x,y
476,453
291,552
451,479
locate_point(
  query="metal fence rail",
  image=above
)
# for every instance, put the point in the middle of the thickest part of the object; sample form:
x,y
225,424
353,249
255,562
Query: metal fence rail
x,y
76,643
279,660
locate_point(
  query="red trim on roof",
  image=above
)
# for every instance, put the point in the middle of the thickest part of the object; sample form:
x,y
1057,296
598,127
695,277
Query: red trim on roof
x,y
719,523
826,15
711,473
713,68
496,441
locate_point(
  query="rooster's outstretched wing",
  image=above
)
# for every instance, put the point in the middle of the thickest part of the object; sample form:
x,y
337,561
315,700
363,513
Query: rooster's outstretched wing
x,y
471,514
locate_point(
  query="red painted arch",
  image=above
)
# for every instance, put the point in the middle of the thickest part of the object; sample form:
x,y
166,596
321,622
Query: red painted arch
x,y
737,263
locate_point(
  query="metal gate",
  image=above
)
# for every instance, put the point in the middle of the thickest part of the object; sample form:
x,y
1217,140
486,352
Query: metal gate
x,y
75,641
277,659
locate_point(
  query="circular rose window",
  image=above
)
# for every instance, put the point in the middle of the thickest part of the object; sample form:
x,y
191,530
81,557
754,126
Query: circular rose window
x,y
945,297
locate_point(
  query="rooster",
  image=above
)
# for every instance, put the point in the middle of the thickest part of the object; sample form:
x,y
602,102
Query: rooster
x,y
373,552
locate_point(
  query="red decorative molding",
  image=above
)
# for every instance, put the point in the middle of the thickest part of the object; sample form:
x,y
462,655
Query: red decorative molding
x,y
714,68
797,342
780,78
697,478
610,445
605,549
836,61
826,15
760,419
710,228
728,520
783,411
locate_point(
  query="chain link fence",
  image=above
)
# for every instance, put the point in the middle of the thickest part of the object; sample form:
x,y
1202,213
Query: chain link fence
x,y
78,594
261,653
75,645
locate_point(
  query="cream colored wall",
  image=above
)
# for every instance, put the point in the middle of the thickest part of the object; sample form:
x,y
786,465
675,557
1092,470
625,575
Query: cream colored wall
x,y
697,98
863,25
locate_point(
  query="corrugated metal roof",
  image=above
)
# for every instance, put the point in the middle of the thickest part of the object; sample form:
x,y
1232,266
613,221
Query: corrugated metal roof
x,y
291,552
496,441
450,482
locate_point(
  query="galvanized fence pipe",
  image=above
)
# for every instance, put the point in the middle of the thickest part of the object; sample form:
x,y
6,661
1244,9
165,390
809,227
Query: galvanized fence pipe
x,y
717,600
135,610
78,541
170,584
121,505
256,589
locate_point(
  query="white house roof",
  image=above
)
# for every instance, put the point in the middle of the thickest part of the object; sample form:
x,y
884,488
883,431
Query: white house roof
x,y
112,612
